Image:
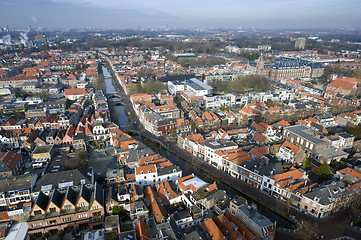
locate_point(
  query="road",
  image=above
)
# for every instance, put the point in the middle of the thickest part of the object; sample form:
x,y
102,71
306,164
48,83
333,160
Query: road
x,y
331,227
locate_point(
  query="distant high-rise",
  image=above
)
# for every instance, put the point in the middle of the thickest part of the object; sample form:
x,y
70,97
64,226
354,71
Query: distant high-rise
x,y
300,43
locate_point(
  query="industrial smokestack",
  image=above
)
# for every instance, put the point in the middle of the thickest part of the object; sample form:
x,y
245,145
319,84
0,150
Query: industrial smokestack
x,y
6,40
24,39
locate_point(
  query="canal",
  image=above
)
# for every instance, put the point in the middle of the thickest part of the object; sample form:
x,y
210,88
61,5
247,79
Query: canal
x,y
120,116
117,112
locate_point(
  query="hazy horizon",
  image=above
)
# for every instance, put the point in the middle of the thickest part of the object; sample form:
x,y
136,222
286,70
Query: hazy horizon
x,y
113,14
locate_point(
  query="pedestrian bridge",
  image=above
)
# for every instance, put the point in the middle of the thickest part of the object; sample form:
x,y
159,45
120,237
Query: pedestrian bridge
x,y
114,95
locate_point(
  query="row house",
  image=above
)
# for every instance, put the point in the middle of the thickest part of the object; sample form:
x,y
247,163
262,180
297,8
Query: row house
x,y
100,133
189,142
77,93
291,153
69,135
152,174
265,133
183,125
50,138
29,143
221,134
211,120
10,124
340,140
327,120
167,111
207,196
207,150
190,184
11,163
302,137
62,180
327,199
159,212
16,191
231,159
159,125
259,226
67,119
218,101
67,211
229,117
237,134
285,182
41,140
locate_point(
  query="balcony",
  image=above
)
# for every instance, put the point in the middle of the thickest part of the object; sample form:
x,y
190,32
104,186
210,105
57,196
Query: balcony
x,y
81,209
96,219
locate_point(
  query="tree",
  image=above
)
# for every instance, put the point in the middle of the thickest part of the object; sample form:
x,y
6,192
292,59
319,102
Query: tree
x,y
308,230
99,82
79,161
116,210
355,205
17,94
69,102
45,96
357,73
152,87
123,214
355,132
306,164
324,172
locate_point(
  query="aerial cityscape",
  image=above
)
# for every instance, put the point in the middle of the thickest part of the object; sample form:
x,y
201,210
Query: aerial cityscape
x,y
235,120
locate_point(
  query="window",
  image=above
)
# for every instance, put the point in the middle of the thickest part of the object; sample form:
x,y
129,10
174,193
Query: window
x,y
52,210
97,214
37,224
37,212
66,207
51,222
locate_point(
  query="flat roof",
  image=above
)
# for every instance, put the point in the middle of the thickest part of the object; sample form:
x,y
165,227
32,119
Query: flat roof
x,y
16,182
196,182
301,131
43,149
198,85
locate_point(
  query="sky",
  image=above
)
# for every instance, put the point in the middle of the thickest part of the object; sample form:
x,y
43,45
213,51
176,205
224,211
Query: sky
x,y
120,14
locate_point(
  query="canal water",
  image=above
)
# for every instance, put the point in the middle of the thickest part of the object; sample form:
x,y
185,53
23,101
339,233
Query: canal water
x,y
117,112
120,116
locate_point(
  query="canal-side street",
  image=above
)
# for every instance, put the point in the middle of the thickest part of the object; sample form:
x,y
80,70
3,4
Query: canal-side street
x,y
270,206
120,115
